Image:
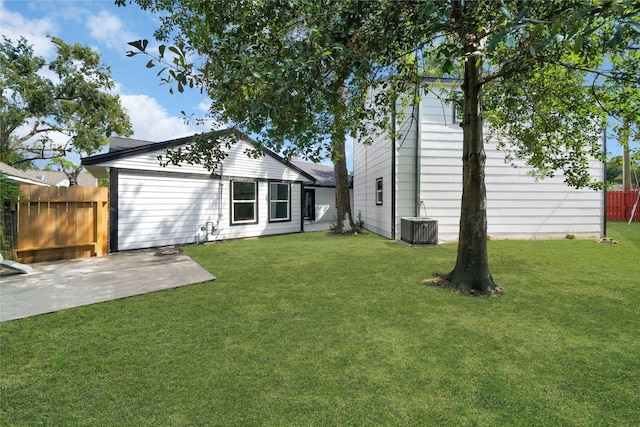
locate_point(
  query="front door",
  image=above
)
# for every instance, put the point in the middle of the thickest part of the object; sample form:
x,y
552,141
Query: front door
x,y
309,204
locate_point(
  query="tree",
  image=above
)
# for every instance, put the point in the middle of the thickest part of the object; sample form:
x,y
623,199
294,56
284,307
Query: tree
x,y
75,105
524,67
67,167
614,170
291,82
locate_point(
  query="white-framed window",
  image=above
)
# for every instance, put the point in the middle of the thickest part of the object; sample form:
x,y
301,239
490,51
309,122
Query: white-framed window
x,y
379,191
279,201
244,202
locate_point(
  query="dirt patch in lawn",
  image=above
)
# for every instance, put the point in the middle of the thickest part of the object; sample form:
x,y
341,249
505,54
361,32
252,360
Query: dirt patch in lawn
x,y
441,282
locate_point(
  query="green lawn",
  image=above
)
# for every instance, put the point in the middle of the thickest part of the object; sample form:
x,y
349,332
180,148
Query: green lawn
x,y
314,330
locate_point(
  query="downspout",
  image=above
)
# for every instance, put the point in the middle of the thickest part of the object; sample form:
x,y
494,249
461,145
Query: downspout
x,y
418,152
604,179
113,209
393,170
302,207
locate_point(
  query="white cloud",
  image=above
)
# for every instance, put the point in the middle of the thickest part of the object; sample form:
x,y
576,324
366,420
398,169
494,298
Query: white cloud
x,y
108,29
204,105
14,26
152,122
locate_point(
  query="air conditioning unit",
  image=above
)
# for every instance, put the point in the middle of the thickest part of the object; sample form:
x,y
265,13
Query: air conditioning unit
x,y
419,231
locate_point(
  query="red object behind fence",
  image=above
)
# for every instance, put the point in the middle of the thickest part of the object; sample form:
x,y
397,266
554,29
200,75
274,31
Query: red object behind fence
x,y
620,204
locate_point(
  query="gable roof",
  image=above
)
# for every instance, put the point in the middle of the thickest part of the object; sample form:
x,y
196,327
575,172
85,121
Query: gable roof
x,y
58,178
124,147
20,176
117,143
323,174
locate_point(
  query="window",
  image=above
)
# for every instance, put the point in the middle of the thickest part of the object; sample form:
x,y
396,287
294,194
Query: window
x,y
244,206
458,112
379,191
279,201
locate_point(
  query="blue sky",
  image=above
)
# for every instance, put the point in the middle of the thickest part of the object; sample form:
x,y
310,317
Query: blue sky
x,y
106,28
155,113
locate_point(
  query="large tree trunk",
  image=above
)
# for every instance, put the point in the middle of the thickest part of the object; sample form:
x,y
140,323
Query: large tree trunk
x,y
72,176
623,139
344,220
343,201
471,272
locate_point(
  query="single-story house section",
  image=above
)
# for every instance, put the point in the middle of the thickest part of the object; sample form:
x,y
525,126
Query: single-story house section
x,y
60,179
418,174
20,176
319,199
153,206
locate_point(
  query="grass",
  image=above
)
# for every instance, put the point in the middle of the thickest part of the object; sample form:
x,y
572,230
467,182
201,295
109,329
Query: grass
x,y
311,330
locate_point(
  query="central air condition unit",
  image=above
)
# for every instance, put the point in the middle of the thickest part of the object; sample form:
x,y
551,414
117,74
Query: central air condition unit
x,y
419,231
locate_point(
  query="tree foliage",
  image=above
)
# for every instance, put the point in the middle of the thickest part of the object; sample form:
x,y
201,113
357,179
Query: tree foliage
x,y
9,190
544,74
615,166
73,103
290,73
67,167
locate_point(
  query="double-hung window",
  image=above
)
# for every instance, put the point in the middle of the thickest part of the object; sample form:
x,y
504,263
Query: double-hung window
x,y
279,201
244,202
379,191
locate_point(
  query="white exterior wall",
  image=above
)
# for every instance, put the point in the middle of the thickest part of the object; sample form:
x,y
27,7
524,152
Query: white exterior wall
x,y
225,230
374,161
160,206
407,204
517,206
325,203
162,210
371,162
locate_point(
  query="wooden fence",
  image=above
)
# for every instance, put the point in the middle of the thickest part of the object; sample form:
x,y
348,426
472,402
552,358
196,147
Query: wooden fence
x,y
620,204
55,223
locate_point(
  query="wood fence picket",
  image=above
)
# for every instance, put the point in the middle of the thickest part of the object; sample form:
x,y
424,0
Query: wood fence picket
x,y
620,204
57,223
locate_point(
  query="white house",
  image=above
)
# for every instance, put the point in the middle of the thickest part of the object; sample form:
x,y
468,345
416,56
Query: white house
x,y
59,179
419,174
152,205
20,176
319,199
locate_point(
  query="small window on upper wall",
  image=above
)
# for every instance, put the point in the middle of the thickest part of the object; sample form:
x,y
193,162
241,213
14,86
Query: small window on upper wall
x,y
279,201
379,191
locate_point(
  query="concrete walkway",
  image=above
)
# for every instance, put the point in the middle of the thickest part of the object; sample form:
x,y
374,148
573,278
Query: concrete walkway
x,y
54,286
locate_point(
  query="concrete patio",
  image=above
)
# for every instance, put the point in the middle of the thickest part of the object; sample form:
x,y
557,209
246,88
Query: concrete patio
x,y
59,285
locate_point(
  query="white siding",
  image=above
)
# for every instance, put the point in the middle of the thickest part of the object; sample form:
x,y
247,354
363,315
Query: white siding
x,y
159,206
149,162
517,205
325,204
374,161
406,146
161,210
237,163
263,227
371,162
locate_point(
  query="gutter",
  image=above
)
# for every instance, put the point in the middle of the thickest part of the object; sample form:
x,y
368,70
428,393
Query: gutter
x,y
418,153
